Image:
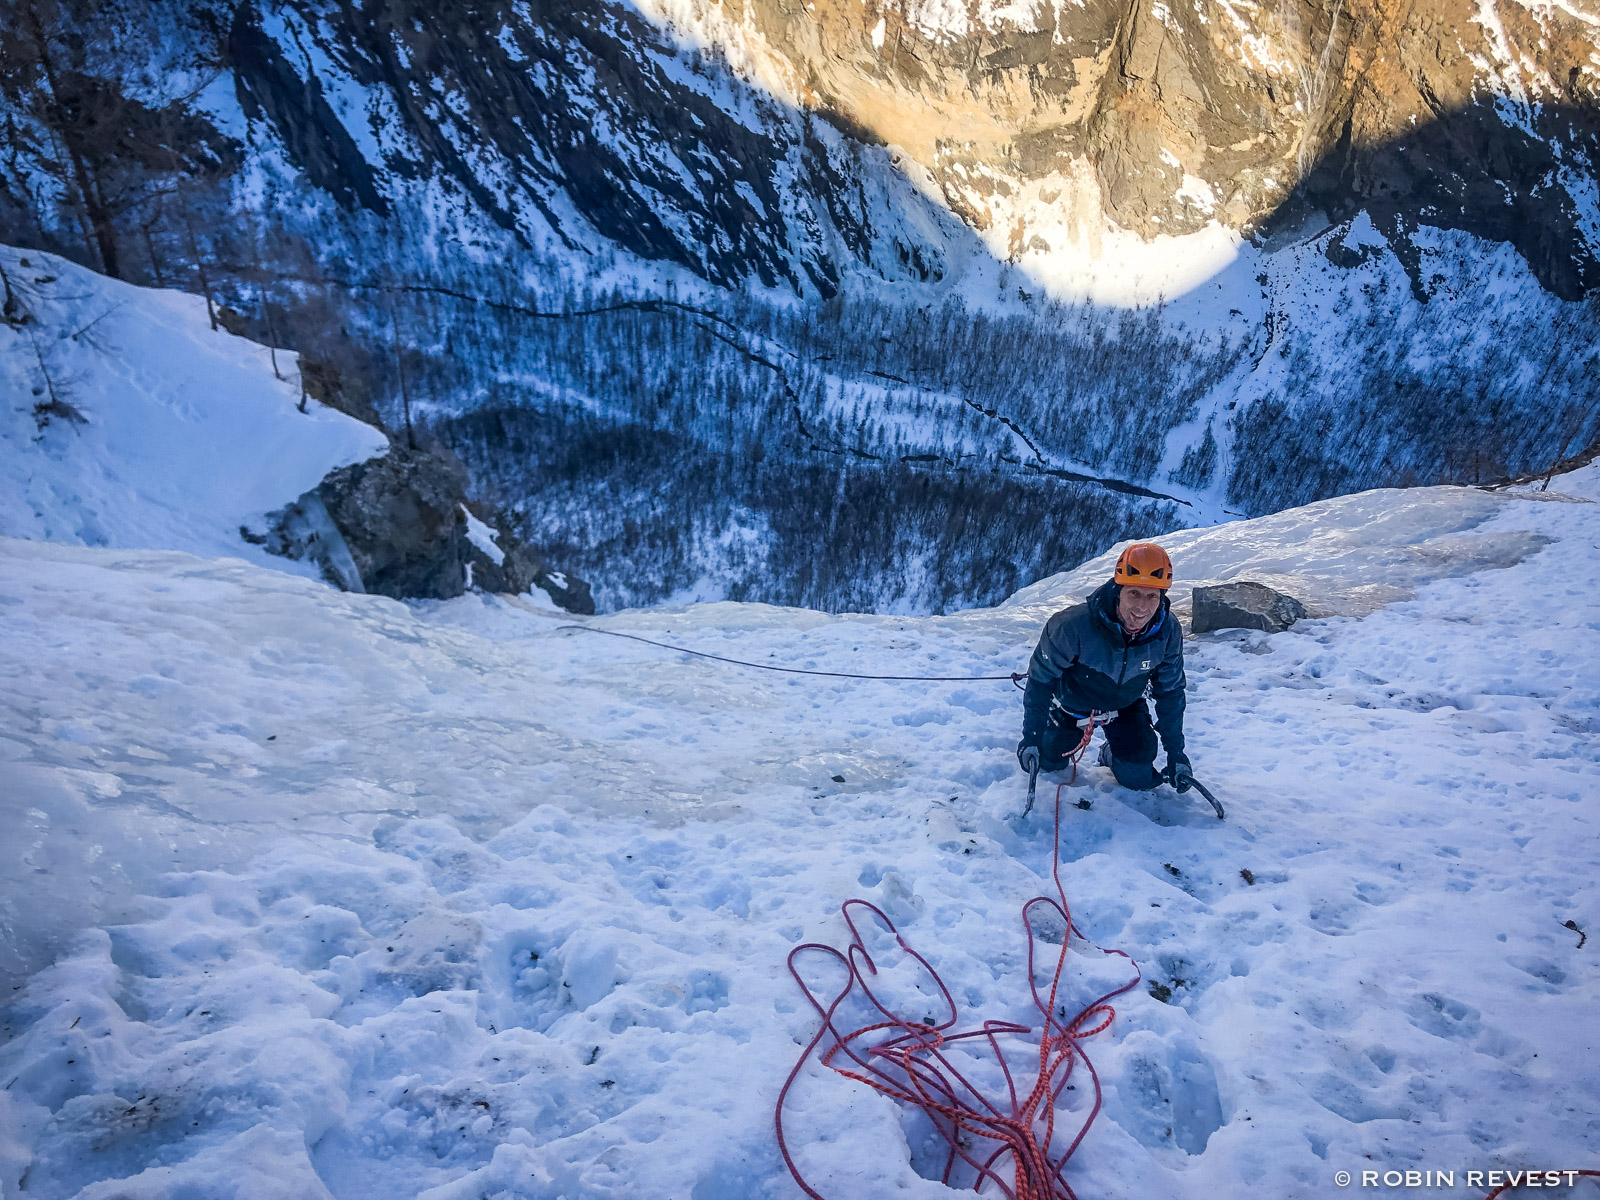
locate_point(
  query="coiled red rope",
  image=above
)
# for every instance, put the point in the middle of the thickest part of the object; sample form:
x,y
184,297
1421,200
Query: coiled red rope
x,y
906,1059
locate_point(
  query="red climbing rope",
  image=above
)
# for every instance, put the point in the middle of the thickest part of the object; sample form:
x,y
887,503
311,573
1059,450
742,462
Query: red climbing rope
x,y
1073,757
1093,722
906,1058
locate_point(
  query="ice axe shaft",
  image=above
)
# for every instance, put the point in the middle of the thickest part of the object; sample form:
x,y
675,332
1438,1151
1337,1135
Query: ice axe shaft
x,y
1206,792
1197,786
1033,784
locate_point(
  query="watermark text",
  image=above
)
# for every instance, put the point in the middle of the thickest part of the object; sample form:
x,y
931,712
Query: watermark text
x,y
1480,1179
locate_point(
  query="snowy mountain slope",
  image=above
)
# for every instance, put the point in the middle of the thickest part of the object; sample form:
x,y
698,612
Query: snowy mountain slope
x,y
1045,219
182,433
444,901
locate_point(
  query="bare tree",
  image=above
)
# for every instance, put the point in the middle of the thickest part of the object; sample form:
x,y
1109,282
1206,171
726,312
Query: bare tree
x,y
110,151
199,266
400,366
55,387
260,274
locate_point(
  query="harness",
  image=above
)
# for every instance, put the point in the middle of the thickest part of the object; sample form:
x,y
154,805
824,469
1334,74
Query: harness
x,y
1061,716
1084,721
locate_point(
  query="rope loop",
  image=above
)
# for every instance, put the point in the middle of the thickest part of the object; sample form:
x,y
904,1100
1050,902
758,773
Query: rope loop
x,y
912,1059
1077,753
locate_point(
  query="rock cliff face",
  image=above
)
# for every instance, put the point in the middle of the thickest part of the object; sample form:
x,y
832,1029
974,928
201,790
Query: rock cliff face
x,y
727,136
1164,115
579,120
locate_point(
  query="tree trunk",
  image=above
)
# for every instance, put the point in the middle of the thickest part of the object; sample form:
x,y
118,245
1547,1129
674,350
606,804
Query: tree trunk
x,y
155,263
83,176
200,267
400,366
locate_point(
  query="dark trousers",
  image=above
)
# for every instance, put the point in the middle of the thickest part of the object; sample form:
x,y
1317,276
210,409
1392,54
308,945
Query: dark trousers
x,y
1131,738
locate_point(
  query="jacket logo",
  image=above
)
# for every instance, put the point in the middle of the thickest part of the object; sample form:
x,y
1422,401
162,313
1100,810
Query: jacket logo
x,y
1145,665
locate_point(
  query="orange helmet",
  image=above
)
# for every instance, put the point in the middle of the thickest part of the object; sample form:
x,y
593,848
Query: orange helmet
x,y
1144,564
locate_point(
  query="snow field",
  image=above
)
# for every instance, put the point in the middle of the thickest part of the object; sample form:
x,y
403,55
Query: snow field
x,y
441,900
187,433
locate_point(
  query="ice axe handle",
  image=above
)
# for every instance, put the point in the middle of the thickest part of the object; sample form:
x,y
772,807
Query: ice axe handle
x,y
1033,783
1197,786
1206,792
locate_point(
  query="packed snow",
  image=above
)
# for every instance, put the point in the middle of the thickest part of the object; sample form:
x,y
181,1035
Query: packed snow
x,y
311,894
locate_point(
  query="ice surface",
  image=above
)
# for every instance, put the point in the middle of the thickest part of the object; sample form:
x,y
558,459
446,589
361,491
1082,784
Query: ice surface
x,y
1344,556
443,901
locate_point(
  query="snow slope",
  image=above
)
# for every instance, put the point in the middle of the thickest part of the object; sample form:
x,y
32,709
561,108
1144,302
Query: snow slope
x,y
445,901
186,434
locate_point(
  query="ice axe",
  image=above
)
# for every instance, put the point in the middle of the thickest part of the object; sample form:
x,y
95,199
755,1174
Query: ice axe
x,y
1033,783
1197,786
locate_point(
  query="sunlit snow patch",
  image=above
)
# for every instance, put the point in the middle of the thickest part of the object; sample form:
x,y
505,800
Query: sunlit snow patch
x,y
1344,556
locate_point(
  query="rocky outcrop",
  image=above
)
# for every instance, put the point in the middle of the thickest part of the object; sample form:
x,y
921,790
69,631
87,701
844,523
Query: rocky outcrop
x,y
400,525
1243,605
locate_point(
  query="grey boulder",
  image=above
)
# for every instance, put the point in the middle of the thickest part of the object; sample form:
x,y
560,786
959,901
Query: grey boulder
x,y
1243,606
399,525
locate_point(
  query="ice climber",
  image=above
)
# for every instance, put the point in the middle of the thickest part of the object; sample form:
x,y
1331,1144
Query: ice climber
x,y
1097,660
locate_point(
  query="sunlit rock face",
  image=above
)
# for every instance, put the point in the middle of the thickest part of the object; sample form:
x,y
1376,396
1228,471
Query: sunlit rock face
x,y
1164,116
734,137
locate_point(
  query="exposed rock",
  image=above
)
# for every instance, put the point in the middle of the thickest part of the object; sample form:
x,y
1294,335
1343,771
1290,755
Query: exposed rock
x,y
327,382
1243,605
1163,117
401,526
400,517
1028,123
508,565
233,321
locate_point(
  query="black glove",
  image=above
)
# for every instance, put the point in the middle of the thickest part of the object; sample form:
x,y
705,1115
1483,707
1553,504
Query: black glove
x,y
1179,773
1028,756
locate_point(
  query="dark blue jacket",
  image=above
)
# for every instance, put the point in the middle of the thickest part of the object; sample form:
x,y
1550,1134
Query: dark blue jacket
x,y
1086,662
